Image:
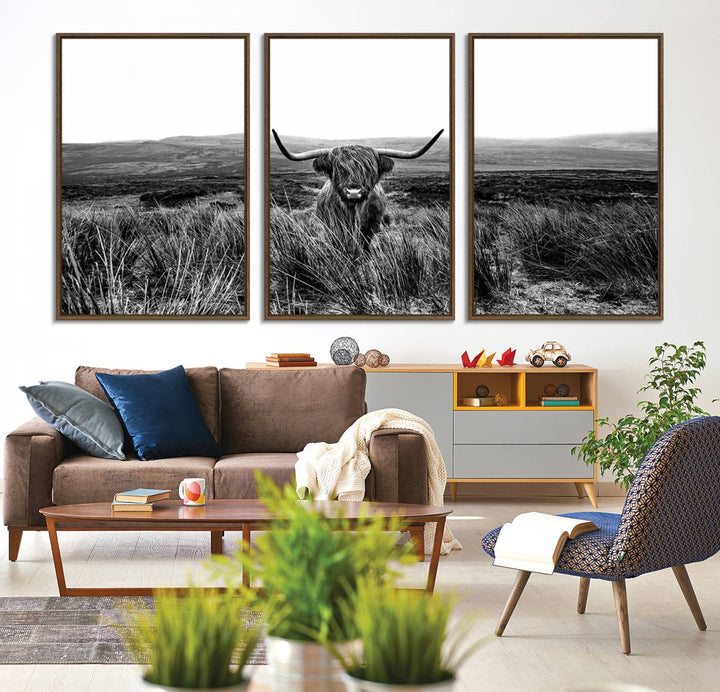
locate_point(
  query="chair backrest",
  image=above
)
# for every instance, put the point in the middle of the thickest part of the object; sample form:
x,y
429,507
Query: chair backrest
x,y
672,511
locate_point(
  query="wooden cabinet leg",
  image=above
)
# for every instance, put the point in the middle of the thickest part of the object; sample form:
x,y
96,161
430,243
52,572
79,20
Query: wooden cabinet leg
x,y
686,587
580,490
517,589
417,536
583,594
590,490
621,608
14,538
453,491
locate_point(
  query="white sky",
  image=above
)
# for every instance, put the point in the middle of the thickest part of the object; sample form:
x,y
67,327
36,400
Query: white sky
x,y
356,88
125,88
557,87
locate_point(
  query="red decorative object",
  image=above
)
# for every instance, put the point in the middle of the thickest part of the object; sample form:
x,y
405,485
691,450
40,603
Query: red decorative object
x,y
467,363
508,357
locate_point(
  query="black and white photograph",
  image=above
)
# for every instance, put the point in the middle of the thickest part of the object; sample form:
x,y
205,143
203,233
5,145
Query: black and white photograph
x,y
359,184
566,176
152,176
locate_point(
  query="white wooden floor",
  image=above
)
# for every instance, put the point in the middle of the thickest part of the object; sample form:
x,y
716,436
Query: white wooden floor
x,y
547,645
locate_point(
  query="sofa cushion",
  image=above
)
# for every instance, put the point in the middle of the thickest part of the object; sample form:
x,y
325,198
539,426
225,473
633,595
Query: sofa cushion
x,y
235,475
203,382
83,418
81,478
160,413
271,411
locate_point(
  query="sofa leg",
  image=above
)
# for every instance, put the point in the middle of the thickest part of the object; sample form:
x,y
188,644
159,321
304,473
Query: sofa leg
x,y
417,536
15,536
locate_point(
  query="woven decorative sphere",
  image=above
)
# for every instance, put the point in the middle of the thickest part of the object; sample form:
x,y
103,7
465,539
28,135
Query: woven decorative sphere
x,y
500,399
563,389
550,390
482,391
343,350
359,360
373,358
385,360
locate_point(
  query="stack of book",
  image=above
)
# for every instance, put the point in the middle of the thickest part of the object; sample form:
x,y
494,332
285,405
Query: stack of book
x,y
559,401
290,360
138,500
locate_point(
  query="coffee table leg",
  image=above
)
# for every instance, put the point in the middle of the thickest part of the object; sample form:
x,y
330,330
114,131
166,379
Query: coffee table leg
x,y
435,557
246,548
57,558
216,542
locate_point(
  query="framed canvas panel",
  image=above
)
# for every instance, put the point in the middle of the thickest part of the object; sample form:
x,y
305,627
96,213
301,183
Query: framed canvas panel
x,y
152,176
565,158
359,176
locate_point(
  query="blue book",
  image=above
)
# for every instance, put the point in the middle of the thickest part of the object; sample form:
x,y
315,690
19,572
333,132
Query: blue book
x,y
141,496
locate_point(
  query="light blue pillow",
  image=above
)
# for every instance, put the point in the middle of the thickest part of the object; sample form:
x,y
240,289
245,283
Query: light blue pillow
x,y
83,418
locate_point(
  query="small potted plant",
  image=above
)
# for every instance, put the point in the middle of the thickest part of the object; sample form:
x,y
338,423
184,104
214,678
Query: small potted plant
x,y
198,641
310,565
404,641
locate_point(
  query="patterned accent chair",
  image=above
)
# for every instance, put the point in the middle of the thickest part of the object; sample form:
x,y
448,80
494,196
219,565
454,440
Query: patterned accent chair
x,y
671,518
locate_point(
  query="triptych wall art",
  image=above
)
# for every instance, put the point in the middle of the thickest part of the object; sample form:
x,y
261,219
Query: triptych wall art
x,y
564,176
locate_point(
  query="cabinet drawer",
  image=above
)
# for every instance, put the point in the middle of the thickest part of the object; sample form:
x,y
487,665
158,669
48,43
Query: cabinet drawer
x,y
519,461
522,427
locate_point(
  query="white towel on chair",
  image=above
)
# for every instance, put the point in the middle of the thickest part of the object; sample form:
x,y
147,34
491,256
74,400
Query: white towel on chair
x,y
329,471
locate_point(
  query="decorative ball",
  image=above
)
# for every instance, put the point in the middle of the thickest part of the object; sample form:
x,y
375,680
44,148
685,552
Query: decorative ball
x,y
373,358
482,391
346,344
342,357
359,360
563,389
550,390
385,360
500,399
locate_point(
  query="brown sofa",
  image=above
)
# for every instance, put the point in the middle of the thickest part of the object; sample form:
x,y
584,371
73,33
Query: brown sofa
x,y
260,418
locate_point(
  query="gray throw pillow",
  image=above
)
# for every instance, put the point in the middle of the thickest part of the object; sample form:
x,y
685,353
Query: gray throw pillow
x,y
83,418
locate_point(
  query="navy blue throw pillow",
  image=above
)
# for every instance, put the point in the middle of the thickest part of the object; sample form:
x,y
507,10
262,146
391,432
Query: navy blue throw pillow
x,y
160,413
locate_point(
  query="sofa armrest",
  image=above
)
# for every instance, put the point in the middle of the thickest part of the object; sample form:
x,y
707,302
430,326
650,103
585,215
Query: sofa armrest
x,y
399,472
31,454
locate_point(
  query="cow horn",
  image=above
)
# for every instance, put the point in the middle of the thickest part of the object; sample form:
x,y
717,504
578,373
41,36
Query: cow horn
x,y
395,154
304,156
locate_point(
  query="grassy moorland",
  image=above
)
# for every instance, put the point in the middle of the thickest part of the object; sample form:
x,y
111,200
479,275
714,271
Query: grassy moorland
x,y
318,270
154,227
578,235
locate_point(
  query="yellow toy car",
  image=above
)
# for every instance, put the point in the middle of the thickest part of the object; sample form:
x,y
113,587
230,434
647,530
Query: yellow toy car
x,y
551,350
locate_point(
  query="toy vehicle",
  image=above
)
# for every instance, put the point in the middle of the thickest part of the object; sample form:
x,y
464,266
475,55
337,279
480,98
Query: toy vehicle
x,y
551,350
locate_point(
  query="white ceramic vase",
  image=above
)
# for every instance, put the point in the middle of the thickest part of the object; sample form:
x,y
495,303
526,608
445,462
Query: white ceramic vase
x,y
240,687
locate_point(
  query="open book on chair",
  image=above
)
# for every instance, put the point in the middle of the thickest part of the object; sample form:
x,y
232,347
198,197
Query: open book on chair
x,y
533,541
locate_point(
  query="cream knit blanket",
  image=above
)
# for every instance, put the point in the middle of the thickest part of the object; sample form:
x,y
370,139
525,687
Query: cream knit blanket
x,y
329,471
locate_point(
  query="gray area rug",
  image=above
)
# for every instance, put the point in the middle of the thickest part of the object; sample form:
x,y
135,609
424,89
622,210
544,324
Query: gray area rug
x,y
69,630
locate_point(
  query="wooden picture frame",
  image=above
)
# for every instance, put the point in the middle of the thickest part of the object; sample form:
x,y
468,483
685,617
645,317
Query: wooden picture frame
x,y
152,176
565,208
358,251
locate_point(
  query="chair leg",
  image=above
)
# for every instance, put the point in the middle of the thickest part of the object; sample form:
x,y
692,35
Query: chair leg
x,y
517,589
583,594
620,594
14,538
686,587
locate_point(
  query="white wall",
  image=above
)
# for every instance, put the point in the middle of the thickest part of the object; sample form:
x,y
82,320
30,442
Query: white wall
x,y
37,347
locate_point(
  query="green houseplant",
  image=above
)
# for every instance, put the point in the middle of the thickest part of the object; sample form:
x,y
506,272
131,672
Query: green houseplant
x,y
673,373
405,641
310,565
195,641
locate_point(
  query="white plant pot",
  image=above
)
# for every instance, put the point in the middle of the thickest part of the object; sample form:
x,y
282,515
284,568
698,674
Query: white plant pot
x,y
301,667
240,687
357,685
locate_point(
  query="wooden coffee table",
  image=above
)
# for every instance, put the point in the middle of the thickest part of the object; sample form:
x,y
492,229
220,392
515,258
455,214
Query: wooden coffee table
x,y
217,516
